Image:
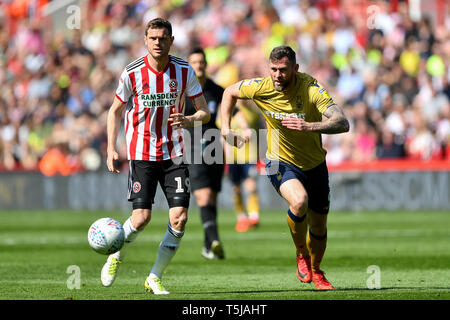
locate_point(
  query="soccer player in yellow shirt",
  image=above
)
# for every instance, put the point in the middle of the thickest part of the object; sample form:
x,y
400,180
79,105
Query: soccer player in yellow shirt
x,y
242,168
297,110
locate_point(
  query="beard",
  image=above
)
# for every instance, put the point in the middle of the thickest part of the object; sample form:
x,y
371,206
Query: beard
x,y
281,86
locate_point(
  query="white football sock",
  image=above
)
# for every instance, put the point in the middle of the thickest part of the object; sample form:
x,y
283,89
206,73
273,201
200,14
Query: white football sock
x,y
130,235
167,249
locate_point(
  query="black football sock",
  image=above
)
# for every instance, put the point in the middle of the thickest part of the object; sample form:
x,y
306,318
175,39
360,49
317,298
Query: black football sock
x,y
208,215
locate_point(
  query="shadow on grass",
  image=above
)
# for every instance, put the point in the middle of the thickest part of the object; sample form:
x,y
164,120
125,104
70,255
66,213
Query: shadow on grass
x,y
315,290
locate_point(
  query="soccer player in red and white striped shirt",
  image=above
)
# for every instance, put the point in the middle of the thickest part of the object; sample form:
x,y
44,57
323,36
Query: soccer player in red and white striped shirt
x,y
152,91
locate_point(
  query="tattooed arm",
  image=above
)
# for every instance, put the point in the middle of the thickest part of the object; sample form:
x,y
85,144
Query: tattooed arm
x,y
335,122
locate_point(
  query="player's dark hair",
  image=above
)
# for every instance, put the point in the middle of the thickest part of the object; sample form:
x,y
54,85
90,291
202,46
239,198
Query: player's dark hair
x,y
159,23
283,51
196,50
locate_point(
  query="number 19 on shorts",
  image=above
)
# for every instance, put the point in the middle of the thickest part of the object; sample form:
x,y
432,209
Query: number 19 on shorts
x,y
179,182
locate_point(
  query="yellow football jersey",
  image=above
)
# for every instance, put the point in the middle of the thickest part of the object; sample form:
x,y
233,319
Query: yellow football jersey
x,y
304,98
248,153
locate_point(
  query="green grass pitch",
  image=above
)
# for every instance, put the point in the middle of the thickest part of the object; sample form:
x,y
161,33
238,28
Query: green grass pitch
x,y
411,250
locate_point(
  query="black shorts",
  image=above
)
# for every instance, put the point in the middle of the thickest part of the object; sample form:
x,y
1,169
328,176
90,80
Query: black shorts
x,y
239,172
206,176
143,180
315,181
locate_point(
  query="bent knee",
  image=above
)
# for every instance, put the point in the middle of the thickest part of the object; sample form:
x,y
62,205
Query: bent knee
x,y
300,205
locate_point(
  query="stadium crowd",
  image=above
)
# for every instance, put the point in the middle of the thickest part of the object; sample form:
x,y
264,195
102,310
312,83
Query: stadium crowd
x,y
390,74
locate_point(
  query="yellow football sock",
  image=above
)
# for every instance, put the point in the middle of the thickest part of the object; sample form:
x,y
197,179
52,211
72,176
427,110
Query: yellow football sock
x,y
253,205
238,204
298,227
316,246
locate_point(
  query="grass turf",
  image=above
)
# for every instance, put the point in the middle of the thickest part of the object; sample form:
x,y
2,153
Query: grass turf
x,y
411,250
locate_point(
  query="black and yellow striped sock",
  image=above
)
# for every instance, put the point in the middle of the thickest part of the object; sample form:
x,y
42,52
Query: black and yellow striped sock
x,y
316,246
298,227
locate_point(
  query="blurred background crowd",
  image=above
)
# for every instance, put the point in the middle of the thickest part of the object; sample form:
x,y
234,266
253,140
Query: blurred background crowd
x,y
387,63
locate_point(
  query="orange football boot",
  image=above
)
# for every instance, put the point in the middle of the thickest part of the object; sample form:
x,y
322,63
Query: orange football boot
x,y
321,283
242,223
304,269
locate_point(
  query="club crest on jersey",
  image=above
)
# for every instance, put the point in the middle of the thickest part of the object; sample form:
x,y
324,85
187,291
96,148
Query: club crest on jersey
x,y
250,81
173,84
323,91
136,187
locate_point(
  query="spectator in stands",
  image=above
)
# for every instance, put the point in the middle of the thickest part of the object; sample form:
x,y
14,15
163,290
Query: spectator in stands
x,y
384,74
390,145
56,161
421,144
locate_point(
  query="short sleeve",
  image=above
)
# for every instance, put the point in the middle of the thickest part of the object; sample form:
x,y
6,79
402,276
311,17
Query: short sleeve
x,y
249,87
193,87
320,97
124,89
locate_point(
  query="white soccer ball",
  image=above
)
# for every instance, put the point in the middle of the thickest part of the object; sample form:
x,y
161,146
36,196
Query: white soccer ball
x,y
106,236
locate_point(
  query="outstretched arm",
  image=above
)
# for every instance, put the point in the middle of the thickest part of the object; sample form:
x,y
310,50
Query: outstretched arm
x,y
336,122
229,99
241,121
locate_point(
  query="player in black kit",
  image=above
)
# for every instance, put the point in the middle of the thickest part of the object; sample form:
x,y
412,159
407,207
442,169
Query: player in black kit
x,y
206,179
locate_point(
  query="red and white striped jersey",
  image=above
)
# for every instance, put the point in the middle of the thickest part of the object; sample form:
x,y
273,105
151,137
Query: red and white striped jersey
x,y
151,97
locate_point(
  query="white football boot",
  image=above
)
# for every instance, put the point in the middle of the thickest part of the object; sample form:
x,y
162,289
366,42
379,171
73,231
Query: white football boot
x,y
154,285
208,254
109,271
216,251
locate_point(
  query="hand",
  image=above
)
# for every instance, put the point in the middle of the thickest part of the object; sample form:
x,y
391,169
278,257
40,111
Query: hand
x,y
233,138
296,124
247,133
112,155
179,120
